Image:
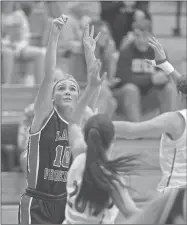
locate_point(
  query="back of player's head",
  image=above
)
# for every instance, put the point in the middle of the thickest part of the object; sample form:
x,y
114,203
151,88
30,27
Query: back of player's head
x,y
99,130
98,134
182,85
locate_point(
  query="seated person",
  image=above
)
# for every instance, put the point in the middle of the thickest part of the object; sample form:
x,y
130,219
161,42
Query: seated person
x,y
139,79
15,41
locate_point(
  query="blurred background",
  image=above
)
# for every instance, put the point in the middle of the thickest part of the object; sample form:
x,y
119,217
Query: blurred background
x,y
25,26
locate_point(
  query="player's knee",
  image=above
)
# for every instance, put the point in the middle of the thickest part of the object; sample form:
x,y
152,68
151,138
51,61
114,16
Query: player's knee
x,y
169,89
112,105
131,94
105,92
39,53
131,90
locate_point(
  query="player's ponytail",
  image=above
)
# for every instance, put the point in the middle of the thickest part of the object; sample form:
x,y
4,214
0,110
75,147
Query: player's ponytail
x,y
101,174
93,188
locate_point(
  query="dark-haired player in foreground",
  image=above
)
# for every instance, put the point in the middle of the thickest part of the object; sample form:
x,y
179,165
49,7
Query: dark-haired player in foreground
x,y
94,185
171,125
49,154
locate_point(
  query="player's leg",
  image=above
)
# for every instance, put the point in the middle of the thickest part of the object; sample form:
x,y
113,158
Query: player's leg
x,y
166,91
129,97
57,211
24,214
167,96
33,211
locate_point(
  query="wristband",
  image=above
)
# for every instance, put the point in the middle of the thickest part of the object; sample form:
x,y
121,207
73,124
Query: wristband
x,y
166,67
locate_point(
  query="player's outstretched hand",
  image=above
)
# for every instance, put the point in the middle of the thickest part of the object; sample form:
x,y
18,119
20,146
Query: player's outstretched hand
x,y
160,55
94,79
88,38
58,24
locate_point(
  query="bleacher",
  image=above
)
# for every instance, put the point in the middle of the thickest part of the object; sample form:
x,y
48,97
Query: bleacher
x,y
16,97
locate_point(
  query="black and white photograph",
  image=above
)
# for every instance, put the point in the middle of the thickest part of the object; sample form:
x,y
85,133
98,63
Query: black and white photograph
x,y
93,112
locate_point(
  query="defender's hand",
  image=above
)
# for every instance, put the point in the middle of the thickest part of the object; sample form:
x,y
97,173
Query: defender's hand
x,y
94,79
88,40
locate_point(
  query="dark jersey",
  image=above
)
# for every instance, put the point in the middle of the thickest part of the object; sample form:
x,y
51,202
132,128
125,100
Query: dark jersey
x,y
131,64
49,157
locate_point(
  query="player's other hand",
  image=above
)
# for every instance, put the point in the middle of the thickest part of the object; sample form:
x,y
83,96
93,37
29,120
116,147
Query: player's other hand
x,y
88,38
58,24
160,55
94,79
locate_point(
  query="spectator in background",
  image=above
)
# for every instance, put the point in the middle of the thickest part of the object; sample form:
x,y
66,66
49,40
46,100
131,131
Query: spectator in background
x,y
138,79
15,41
120,16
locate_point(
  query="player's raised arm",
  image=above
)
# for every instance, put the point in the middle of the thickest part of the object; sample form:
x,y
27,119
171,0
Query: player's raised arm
x,y
94,81
44,104
75,134
165,123
161,60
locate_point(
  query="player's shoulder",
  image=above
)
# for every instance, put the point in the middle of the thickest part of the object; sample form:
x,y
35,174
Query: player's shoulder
x,y
77,168
80,160
128,47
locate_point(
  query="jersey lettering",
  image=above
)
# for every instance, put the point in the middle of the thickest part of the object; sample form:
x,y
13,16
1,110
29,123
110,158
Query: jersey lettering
x,y
66,157
64,160
62,137
140,66
55,175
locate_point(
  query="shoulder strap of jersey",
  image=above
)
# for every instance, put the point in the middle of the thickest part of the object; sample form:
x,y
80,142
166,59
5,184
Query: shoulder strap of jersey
x,y
58,114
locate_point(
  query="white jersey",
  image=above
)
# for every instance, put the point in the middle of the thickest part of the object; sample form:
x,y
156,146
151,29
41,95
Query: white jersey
x,y
72,216
173,159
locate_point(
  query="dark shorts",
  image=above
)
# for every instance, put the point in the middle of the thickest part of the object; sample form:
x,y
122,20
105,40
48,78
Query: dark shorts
x,y
34,211
144,84
148,91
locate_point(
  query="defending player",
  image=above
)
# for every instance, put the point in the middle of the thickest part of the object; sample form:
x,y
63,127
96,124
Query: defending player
x,y
172,126
94,185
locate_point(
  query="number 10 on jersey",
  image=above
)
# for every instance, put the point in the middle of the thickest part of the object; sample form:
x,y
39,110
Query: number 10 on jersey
x,y
63,156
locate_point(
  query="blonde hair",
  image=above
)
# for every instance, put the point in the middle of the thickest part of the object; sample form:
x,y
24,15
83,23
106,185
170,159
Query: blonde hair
x,y
65,78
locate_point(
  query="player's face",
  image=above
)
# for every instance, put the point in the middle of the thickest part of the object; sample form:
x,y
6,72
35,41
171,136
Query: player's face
x,y
141,40
66,94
